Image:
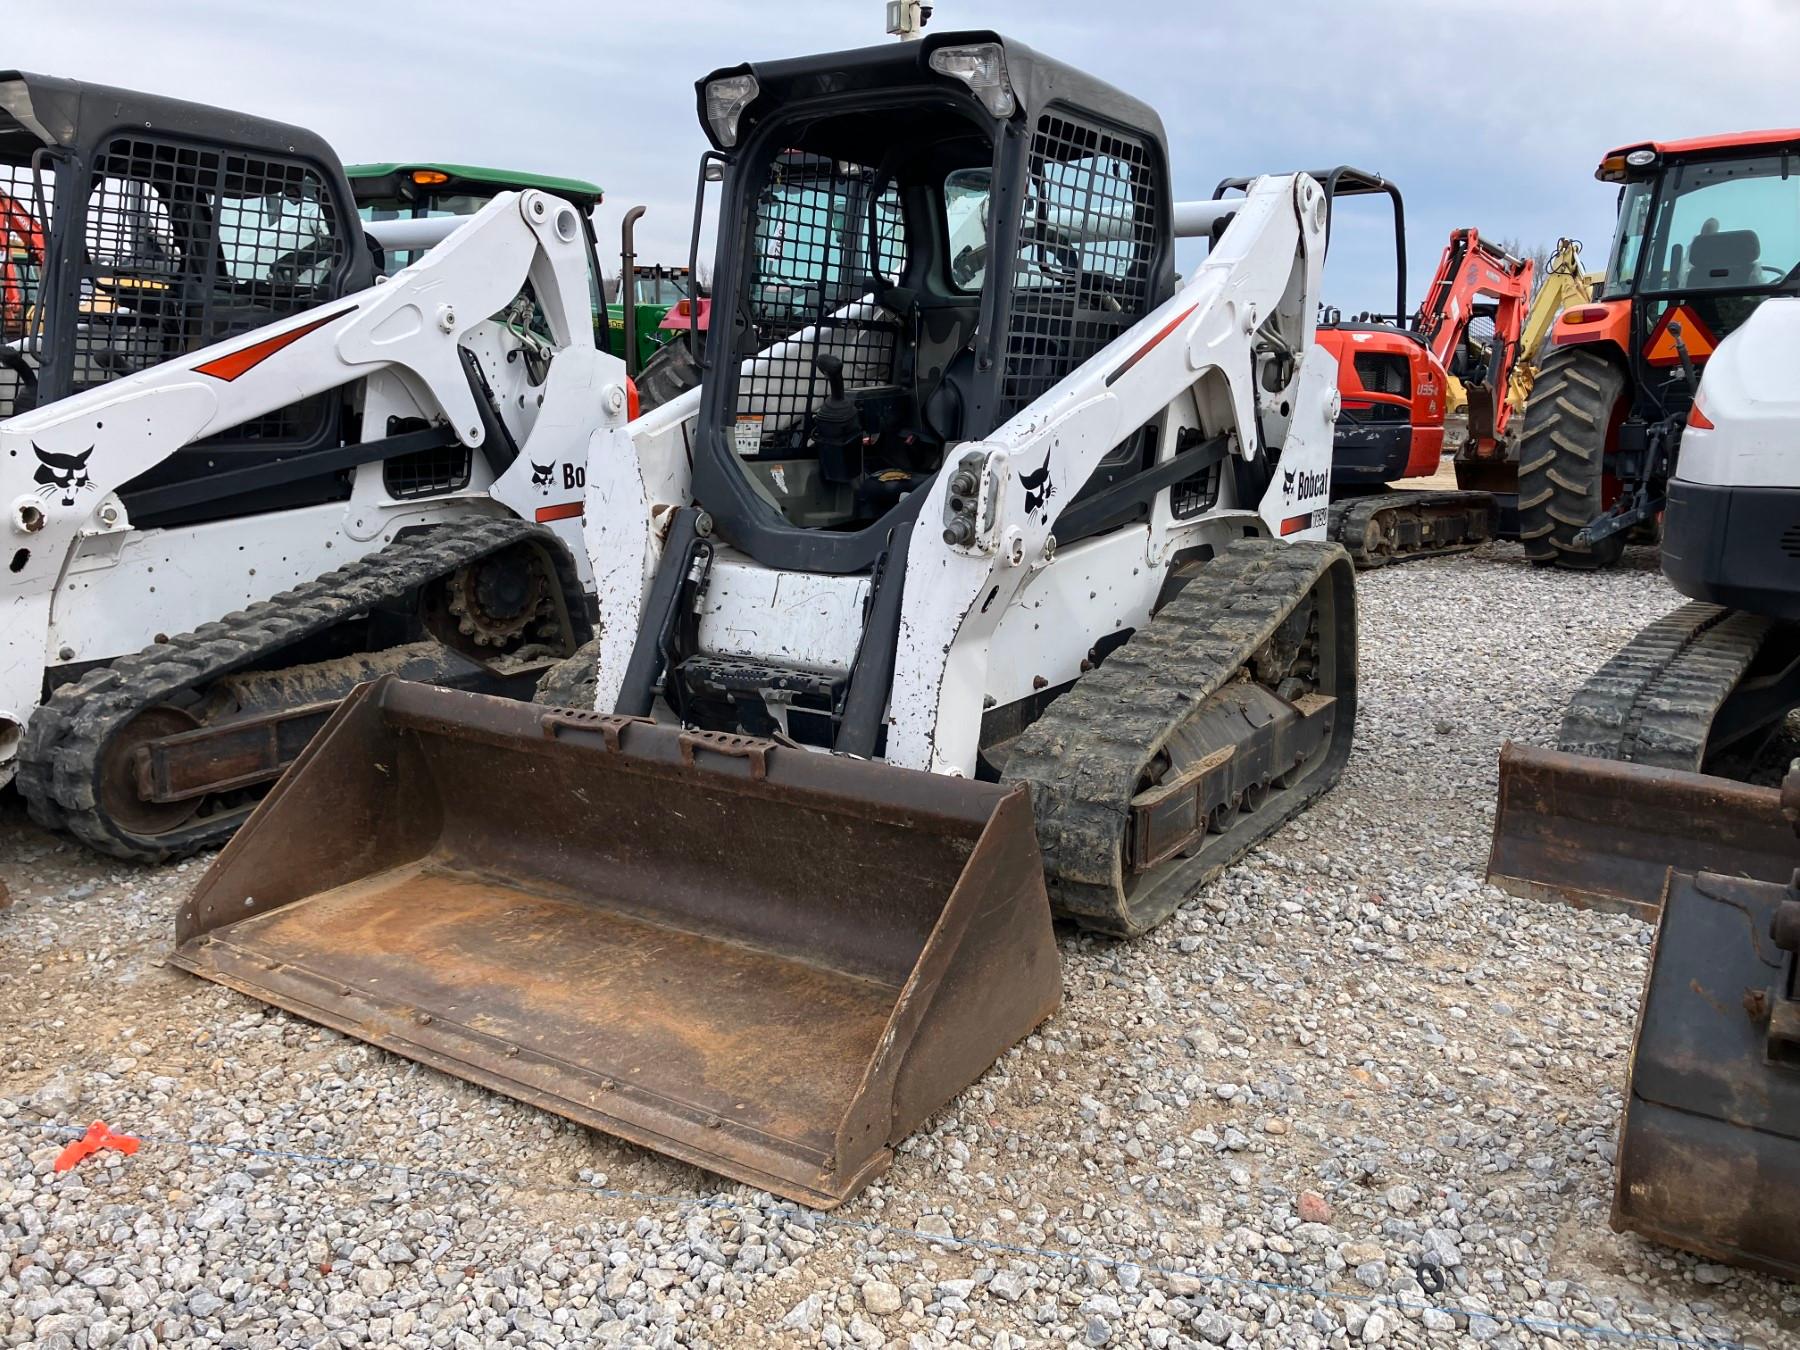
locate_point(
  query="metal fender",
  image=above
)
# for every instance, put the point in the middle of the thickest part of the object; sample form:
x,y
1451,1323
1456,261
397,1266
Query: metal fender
x,y
1296,503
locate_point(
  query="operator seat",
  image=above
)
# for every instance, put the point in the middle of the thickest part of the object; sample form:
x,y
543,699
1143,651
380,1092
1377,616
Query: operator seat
x,y
1724,258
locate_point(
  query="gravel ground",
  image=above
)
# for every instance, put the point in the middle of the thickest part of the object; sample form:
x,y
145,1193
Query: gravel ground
x,y
1350,1095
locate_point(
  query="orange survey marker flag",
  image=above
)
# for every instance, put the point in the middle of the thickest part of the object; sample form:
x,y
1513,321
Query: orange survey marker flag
x,y
98,1136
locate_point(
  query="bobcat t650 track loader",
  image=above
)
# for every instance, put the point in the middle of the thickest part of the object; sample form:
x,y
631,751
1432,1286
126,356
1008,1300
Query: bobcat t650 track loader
x,y
977,522
212,533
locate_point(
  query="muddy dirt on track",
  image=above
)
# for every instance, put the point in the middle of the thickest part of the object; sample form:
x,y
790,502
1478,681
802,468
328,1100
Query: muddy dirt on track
x,y
1348,1095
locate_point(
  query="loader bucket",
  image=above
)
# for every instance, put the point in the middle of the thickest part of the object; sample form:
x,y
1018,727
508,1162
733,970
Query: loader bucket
x,y
1602,834
768,962
1709,1154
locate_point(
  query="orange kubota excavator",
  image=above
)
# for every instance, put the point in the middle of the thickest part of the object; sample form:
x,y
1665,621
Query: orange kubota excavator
x,y
1395,374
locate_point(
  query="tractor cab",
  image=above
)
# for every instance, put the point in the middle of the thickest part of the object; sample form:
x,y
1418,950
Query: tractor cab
x,y
917,241
1707,230
429,191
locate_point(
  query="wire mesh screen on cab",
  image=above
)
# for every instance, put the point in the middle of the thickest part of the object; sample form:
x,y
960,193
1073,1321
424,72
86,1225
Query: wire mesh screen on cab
x,y
822,235
187,244
1087,246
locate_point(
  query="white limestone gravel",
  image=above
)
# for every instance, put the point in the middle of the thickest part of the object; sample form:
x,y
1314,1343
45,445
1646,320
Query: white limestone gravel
x,y
1351,1015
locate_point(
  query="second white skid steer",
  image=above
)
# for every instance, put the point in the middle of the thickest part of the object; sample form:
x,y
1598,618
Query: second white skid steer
x,y
955,539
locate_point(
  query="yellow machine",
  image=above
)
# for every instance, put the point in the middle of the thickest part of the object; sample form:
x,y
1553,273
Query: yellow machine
x,y
1564,284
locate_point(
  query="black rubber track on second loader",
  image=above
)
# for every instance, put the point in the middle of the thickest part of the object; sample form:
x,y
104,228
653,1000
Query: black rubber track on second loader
x,y
60,761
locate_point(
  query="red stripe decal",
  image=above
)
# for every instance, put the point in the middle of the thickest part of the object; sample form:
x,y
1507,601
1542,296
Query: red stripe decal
x,y
1145,350
561,511
1295,524
233,364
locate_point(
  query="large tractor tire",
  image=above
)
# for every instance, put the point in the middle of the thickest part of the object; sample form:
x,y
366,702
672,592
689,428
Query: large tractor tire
x,y
1577,402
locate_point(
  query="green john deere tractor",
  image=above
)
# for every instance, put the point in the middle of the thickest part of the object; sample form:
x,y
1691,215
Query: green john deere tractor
x,y
416,191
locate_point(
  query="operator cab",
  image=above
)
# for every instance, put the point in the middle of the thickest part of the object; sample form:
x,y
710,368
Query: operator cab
x,y
917,242
1708,229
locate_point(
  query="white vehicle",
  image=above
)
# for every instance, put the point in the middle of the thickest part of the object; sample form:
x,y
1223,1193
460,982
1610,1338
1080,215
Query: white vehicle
x,y
207,546
967,584
1659,802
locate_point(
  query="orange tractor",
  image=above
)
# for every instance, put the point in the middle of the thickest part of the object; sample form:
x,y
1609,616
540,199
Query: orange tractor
x,y
1708,228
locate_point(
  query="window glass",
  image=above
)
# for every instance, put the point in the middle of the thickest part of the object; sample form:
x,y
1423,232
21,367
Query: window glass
x,y
1720,225
285,239
1634,215
966,197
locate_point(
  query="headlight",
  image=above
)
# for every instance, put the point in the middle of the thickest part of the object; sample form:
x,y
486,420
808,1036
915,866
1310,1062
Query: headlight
x,y
726,99
983,68
1639,159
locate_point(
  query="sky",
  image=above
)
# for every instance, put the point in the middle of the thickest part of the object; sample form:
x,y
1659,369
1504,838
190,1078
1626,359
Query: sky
x,y
1490,114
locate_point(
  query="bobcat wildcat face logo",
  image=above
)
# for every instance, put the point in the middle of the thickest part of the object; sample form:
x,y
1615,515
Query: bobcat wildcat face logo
x,y
1038,487
541,474
61,475
1287,483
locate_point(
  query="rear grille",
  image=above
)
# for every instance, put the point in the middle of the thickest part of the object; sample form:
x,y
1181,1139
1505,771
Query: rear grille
x,y
427,473
1382,373
1195,495
1790,541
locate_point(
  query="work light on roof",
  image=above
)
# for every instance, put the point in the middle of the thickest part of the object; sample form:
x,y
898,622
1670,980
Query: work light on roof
x,y
726,99
1640,158
981,66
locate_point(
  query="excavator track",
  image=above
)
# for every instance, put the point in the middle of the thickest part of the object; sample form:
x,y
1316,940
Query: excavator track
x,y
66,745
1655,702
1386,527
1104,747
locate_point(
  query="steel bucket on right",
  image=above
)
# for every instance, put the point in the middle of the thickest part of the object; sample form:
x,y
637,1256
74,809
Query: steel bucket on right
x,y
1709,1152
1602,834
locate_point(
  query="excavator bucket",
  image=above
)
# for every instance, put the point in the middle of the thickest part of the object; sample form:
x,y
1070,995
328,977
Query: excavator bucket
x,y
1603,834
771,963
1709,1154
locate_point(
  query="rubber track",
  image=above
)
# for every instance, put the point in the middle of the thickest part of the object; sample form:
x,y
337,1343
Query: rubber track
x,y
1654,702
1562,449
1086,756
573,682
1350,520
59,761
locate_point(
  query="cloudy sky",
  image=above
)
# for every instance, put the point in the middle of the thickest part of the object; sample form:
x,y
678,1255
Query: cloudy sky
x,y
1490,114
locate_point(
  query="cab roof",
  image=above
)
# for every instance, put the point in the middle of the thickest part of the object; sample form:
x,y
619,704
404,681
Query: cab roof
x,y
576,189
1037,82
1613,170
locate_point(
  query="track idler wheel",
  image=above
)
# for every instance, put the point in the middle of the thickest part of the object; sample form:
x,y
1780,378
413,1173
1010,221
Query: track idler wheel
x,y
122,794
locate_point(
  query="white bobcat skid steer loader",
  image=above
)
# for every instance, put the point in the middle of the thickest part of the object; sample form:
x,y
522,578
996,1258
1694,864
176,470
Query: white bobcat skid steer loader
x,y
184,604
954,536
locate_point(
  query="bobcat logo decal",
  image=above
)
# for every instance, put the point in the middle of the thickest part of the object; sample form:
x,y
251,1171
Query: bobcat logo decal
x,y
62,475
1038,488
541,474
1287,484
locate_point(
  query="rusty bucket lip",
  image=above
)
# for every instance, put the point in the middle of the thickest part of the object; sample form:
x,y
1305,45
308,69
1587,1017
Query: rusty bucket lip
x,y
1696,822
997,887
654,1123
